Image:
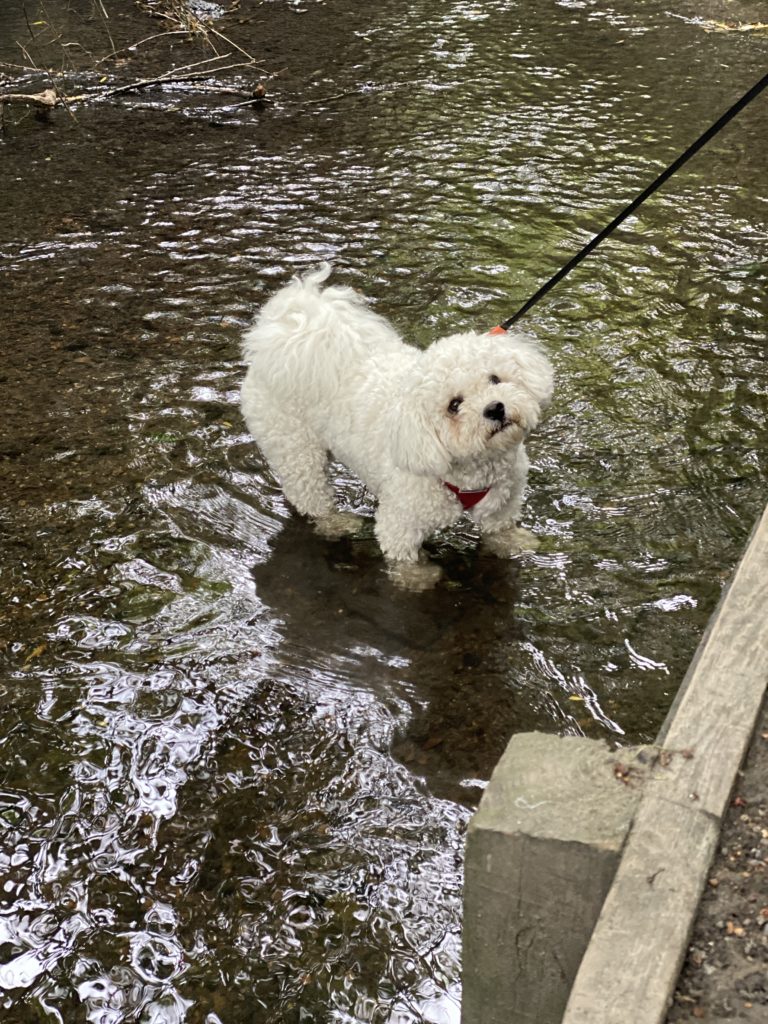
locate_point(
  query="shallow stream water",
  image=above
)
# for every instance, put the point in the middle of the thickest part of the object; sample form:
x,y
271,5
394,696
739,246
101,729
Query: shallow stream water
x,y
237,763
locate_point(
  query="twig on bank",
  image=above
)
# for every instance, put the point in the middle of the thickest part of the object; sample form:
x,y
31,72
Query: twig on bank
x,y
24,67
51,94
710,25
198,63
49,98
231,42
328,99
191,24
140,42
105,19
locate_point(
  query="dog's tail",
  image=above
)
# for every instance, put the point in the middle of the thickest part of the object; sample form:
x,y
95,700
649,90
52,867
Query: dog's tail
x,y
300,304
315,277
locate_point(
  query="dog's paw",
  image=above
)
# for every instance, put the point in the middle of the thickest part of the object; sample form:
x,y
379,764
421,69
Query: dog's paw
x,y
510,542
339,524
414,576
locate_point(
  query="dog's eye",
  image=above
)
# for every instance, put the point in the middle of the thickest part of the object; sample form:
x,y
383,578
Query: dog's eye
x,y
453,405
494,379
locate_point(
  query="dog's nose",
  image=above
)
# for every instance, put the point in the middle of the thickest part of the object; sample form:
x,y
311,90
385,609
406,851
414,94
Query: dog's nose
x,y
494,411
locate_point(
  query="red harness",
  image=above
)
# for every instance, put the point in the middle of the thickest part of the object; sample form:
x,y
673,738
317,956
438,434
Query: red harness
x,y
467,498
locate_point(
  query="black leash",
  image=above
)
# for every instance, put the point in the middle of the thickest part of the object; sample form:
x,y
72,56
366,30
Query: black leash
x,y
628,210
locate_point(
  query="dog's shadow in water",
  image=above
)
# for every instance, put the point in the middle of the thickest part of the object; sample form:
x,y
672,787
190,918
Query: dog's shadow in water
x,y
455,645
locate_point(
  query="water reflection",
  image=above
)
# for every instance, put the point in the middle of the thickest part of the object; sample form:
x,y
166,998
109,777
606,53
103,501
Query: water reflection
x,y
236,763
449,653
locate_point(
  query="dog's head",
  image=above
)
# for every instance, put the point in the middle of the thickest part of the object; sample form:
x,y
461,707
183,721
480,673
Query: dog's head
x,y
475,394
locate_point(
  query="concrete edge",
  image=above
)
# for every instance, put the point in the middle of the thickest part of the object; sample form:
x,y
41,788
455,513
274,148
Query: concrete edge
x,y
632,962
541,853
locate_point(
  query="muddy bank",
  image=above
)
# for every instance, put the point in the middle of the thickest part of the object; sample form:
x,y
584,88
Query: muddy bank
x,y
724,975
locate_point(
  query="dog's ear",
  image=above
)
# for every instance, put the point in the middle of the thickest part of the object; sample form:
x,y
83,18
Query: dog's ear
x,y
416,446
531,368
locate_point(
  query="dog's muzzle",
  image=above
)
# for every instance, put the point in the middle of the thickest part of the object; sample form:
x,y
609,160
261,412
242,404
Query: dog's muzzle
x,y
497,416
495,411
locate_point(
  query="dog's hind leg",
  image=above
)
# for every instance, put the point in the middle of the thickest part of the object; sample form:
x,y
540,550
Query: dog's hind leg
x,y
299,462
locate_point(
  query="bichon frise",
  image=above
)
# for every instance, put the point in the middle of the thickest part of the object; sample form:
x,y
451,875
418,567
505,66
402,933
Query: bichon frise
x,y
431,432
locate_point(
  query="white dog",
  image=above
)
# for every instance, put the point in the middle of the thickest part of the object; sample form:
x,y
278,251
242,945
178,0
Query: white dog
x,y
430,432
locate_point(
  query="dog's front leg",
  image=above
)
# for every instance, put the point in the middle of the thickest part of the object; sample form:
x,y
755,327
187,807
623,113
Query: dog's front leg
x,y
498,520
501,534
409,511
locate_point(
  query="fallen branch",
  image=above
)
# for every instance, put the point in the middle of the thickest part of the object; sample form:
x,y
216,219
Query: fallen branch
x,y
48,99
45,100
197,72
169,78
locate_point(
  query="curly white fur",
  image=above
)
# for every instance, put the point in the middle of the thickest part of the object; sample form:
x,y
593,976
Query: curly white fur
x,y
327,374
